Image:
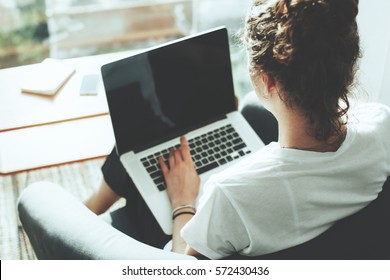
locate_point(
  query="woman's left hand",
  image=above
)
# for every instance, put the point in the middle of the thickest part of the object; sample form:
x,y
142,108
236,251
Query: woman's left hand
x,y
181,178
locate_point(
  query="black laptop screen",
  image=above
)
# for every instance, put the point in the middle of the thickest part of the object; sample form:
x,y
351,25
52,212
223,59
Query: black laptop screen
x,y
169,90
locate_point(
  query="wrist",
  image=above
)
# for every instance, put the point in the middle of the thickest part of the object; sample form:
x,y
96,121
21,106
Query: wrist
x,y
176,204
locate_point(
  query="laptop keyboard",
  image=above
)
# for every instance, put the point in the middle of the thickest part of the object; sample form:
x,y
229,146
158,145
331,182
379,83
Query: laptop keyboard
x,y
208,151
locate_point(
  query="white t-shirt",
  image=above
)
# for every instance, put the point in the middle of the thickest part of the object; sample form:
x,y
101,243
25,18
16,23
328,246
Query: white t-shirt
x,y
278,198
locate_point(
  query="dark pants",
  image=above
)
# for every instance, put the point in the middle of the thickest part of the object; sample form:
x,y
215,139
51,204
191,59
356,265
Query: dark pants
x,y
135,219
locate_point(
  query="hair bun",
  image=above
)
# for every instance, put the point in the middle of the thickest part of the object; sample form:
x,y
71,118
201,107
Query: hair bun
x,y
282,7
317,19
345,10
341,12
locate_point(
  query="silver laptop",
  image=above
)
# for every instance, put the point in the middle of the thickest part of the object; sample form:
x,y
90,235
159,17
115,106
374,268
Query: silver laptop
x,y
181,88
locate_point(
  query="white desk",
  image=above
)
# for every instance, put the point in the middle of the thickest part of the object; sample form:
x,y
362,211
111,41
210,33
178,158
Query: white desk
x,y
37,131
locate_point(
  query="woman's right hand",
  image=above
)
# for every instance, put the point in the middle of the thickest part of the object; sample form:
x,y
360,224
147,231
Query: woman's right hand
x,y
181,177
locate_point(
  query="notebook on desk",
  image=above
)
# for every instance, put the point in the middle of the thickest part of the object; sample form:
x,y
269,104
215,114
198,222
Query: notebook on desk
x,y
48,77
181,88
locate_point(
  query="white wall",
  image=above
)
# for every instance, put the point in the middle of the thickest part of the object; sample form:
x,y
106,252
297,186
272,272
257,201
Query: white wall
x,y
385,90
374,25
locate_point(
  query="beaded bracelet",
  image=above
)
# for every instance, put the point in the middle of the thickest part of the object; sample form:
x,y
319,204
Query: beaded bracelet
x,y
182,213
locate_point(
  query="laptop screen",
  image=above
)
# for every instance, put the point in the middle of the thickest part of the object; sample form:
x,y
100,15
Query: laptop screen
x,y
169,90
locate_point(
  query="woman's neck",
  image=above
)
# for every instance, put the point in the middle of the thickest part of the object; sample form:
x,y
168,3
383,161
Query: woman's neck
x,y
294,133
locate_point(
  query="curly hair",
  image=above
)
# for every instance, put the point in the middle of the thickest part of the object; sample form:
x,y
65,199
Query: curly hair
x,y
311,48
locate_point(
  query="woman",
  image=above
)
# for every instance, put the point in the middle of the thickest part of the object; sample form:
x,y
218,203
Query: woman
x,y
326,164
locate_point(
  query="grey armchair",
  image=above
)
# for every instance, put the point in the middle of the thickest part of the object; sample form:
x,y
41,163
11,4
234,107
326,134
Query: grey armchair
x,y
61,227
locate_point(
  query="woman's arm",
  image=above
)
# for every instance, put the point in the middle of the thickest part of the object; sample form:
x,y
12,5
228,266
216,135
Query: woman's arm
x,y
179,245
182,182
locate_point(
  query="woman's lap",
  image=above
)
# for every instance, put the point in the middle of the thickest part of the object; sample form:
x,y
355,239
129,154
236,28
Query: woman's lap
x,y
135,219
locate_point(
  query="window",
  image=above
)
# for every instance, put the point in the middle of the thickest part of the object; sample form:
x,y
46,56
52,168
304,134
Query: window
x,y
35,29
96,26
23,33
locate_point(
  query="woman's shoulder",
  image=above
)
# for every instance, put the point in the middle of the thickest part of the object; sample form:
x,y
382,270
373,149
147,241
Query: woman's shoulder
x,y
372,109
371,114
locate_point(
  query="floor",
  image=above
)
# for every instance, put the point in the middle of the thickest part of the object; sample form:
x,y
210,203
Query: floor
x,y
80,179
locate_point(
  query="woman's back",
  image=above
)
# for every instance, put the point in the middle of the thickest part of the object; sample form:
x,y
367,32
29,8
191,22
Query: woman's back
x,y
278,198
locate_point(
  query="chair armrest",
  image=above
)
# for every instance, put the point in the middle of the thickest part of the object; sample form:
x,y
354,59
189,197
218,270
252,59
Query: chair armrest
x,y
61,227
